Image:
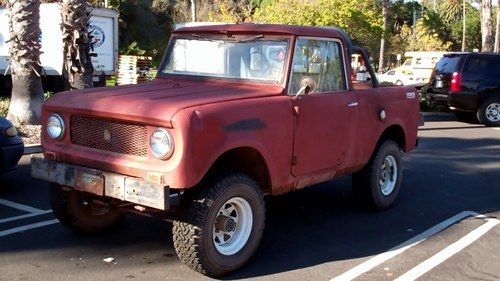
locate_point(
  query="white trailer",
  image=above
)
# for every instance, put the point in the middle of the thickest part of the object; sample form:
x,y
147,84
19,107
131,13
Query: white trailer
x,y
104,27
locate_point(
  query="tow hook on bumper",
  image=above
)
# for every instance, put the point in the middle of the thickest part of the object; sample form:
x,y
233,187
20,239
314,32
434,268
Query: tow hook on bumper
x,y
102,183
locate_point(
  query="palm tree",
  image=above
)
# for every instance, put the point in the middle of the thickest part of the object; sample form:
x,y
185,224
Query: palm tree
x,y
27,93
452,10
486,26
77,62
497,32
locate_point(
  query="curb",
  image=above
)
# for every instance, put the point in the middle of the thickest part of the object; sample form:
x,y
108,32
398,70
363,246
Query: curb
x,y
440,114
32,149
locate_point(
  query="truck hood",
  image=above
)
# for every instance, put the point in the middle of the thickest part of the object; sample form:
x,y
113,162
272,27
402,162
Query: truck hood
x,y
155,102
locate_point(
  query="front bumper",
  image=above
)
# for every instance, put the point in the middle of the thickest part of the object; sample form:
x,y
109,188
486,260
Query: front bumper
x,y
10,155
129,189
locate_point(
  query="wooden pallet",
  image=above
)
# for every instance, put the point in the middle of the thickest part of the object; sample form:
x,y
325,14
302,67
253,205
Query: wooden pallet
x,y
133,70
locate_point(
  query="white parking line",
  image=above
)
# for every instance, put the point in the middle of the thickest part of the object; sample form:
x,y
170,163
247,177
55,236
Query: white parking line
x,y
381,258
24,216
448,252
20,206
498,129
27,227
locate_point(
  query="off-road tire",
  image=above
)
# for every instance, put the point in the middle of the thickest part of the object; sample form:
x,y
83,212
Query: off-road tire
x,y
366,182
193,231
482,114
67,206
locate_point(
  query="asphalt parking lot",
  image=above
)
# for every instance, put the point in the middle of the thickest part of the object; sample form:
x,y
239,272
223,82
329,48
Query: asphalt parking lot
x,y
444,226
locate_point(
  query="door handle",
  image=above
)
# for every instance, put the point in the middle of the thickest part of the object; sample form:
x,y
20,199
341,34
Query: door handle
x,y
352,104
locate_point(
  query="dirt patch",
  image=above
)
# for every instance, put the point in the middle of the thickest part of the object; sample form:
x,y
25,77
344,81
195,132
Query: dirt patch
x,y
30,134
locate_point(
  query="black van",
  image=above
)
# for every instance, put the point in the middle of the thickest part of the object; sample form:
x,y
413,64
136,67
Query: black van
x,y
469,84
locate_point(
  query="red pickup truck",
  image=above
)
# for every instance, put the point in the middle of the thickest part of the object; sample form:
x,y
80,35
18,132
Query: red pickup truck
x,y
236,112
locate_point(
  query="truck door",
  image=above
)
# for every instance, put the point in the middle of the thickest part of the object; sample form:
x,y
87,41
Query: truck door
x,y
324,114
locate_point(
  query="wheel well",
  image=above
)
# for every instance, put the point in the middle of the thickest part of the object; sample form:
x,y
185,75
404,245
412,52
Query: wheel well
x,y
395,133
246,160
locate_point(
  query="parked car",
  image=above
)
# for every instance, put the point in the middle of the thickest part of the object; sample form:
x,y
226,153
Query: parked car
x,y
469,84
11,146
237,112
399,78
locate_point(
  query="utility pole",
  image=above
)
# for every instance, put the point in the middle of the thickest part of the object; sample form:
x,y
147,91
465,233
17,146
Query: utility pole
x,y
463,27
193,10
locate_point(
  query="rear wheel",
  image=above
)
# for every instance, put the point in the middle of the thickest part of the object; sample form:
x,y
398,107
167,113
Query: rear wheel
x,y
399,83
221,226
82,212
489,112
377,184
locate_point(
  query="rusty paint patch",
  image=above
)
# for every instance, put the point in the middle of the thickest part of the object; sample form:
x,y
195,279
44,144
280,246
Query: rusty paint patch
x,y
246,125
89,182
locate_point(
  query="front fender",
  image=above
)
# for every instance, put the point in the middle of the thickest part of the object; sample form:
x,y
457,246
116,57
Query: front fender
x,y
208,131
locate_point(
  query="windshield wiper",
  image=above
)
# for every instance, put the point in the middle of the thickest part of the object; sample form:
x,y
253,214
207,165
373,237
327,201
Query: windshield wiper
x,y
205,38
250,38
197,36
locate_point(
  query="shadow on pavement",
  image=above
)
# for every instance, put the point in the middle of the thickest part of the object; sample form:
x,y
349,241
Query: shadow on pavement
x,y
323,223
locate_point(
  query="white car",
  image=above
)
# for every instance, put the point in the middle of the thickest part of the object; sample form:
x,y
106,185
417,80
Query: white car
x,y
398,77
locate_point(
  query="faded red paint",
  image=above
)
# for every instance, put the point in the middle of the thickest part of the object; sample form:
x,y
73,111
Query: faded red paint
x,y
208,117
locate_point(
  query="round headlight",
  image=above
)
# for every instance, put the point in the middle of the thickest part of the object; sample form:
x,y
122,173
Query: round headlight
x,y
161,143
55,126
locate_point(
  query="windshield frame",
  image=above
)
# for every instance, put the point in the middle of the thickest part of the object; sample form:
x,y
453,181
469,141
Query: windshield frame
x,y
236,37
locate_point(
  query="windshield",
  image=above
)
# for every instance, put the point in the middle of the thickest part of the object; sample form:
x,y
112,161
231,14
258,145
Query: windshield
x,y
250,58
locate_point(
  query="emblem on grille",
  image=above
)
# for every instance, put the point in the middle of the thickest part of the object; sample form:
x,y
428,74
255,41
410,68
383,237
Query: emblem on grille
x,y
107,135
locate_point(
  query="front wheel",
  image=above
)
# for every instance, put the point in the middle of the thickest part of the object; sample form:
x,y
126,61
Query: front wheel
x,y
221,226
377,184
82,212
489,112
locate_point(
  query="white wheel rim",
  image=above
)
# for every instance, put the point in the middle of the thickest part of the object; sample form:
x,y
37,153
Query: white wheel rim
x,y
493,112
232,226
388,175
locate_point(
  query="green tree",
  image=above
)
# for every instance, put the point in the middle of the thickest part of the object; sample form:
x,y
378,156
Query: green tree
x,y
402,12
452,10
147,23
232,11
435,24
181,10
420,39
358,18
472,31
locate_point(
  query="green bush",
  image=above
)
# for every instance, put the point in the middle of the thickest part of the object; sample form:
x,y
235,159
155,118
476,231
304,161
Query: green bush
x,y
4,107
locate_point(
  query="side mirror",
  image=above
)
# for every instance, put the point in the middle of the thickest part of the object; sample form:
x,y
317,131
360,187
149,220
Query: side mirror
x,y
307,85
